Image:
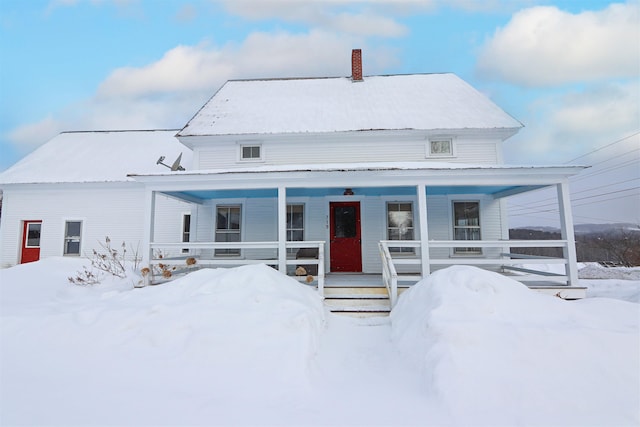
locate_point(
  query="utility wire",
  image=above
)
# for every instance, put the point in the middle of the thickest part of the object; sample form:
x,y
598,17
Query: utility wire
x,y
602,148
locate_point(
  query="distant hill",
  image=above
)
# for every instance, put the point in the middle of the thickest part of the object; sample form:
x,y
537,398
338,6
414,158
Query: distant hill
x,y
611,243
585,228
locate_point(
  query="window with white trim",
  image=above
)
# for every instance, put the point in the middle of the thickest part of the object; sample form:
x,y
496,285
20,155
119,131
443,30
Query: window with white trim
x,y
440,147
228,220
400,224
72,237
186,231
250,152
466,225
295,224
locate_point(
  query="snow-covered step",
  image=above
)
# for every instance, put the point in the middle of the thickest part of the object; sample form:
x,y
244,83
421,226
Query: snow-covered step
x,y
358,301
356,292
358,304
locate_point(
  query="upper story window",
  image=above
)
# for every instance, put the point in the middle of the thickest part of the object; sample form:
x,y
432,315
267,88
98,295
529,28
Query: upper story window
x,y
251,152
440,147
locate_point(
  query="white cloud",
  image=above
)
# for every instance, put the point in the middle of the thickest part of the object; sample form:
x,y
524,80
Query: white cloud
x,y
544,46
347,16
564,126
368,24
186,13
167,92
31,135
188,69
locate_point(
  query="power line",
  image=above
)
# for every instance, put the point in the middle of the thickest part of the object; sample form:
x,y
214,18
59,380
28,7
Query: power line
x,y
542,203
602,148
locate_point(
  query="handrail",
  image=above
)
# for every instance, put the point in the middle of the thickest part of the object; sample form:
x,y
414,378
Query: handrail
x,y
497,243
478,243
389,273
227,260
504,259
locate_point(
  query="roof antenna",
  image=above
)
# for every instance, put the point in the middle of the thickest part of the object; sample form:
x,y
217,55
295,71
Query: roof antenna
x,y
175,166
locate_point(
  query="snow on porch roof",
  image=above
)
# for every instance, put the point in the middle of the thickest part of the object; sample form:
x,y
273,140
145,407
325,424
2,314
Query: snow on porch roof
x,y
416,101
97,156
364,166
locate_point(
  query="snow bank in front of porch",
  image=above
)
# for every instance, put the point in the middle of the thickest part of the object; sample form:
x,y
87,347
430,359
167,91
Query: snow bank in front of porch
x,y
171,354
504,353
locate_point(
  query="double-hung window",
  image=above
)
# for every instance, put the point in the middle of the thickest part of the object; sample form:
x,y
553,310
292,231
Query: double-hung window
x,y
72,237
295,224
228,228
400,224
466,225
186,231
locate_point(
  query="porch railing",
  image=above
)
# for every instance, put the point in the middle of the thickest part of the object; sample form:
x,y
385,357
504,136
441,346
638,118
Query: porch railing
x,y
389,273
393,257
169,259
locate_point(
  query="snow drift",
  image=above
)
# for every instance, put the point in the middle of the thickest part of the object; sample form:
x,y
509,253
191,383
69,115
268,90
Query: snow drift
x,y
494,352
249,346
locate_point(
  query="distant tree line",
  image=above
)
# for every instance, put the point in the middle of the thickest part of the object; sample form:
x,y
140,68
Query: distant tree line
x,y
619,246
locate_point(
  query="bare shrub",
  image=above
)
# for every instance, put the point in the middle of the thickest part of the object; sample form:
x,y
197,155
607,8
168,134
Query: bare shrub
x,y
107,260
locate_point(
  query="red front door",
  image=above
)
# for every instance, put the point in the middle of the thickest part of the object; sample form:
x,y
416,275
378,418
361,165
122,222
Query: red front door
x,y
345,247
30,241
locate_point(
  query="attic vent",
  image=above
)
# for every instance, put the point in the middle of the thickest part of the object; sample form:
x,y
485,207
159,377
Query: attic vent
x,y
356,65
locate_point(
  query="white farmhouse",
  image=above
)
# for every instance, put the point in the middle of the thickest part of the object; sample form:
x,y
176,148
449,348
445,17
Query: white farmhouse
x,y
391,175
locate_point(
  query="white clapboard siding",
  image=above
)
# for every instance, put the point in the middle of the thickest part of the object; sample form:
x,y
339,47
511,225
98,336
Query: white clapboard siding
x,y
314,150
259,223
106,210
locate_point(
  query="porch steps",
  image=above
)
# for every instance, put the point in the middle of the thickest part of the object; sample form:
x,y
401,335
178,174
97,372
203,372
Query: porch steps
x,y
360,301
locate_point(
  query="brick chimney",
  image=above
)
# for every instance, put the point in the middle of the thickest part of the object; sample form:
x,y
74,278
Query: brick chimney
x,y
356,65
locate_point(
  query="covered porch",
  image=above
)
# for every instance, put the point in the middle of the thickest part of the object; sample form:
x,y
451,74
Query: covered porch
x,y
268,192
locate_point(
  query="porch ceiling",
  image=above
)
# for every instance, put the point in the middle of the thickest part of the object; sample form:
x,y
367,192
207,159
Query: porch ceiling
x,y
494,190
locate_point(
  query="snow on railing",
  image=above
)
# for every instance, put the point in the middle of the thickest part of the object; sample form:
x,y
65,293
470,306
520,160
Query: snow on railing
x,y
389,273
501,258
169,259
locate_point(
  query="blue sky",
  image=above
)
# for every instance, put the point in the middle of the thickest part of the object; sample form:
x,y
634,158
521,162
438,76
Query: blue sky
x,y
567,69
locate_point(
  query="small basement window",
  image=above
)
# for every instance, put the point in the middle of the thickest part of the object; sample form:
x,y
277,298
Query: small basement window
x,y
251,152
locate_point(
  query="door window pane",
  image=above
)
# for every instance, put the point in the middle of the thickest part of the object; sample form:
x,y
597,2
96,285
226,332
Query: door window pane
x,y
33,234
345,221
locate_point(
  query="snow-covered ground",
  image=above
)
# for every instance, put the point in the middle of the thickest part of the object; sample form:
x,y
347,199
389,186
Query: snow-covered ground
x,y
248,346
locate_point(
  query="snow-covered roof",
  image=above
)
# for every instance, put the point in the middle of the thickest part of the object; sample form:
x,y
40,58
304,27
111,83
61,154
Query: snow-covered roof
x,y
101,156
416,101
371,167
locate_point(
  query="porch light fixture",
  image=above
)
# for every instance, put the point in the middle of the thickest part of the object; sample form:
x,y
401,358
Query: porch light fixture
x,y
348,192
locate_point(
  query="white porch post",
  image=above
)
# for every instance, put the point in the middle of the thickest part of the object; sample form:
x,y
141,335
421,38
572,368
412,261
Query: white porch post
x,y
282,230
566,227
149,215
424,230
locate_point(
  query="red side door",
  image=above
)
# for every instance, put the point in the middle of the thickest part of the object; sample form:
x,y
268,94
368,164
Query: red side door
x,y
345,240
30,241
